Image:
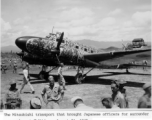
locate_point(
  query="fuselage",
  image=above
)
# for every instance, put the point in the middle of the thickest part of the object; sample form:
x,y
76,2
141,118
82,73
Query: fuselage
x,y
37,50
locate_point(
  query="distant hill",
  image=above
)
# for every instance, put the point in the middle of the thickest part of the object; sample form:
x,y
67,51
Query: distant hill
x,y
112,48
103,45
10,48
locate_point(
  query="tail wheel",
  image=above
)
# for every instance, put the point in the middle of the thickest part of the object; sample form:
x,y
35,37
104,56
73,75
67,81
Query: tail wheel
x,y
79,78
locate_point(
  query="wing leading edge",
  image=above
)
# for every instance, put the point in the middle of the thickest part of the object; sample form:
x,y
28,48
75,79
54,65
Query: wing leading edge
x,y
98,57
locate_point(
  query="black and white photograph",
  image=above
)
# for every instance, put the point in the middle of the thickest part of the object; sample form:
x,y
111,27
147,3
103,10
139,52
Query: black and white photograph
x,y
76,54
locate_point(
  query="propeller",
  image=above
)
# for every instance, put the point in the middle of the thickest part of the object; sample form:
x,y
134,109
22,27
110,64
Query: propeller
x,y
56,51
60,39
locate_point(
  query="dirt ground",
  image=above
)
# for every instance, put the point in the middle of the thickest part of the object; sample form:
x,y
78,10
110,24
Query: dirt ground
x,y
96,86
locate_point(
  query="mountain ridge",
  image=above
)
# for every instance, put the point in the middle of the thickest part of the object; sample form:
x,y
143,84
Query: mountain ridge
x,y
103,45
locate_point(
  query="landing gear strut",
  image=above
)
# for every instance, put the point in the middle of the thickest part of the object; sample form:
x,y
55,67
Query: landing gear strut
x,y
80,77
127,71
43,75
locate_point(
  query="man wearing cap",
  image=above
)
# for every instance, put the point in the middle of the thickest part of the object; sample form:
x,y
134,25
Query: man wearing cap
x,y
145,100
26,78
117,97
35,103
79,104
52,94
13,99
60,76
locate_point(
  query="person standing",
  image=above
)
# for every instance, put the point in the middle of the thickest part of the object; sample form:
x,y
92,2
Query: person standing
x,y
10,61
60,76
4,68
15,67
145,100
1,104
145,63
117,96
123,91
52,94
26,79
13,99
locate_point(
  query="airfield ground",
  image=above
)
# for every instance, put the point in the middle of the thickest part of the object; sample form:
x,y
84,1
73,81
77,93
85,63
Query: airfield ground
x,y
96,86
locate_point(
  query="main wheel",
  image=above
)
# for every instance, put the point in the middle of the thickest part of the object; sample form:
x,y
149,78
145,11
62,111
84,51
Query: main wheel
x,y
79,78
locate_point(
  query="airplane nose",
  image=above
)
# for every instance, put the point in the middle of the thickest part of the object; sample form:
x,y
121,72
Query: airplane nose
x,y
21,43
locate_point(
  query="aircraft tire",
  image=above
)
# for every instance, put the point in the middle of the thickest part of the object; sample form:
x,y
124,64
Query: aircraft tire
x,y
78,78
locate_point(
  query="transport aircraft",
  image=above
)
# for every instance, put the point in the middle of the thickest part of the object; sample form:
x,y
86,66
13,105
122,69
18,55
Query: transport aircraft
x,y
55,49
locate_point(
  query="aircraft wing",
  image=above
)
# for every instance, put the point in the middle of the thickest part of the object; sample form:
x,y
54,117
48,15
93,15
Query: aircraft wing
x,y
98,57
121,66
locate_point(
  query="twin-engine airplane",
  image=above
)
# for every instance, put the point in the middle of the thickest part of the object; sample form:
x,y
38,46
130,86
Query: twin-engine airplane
x,y
50,52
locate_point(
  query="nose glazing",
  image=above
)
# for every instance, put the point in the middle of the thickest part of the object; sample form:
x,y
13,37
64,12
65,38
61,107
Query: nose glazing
x,y
21,43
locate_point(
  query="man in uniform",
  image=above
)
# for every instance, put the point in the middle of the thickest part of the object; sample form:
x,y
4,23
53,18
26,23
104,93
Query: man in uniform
x,y
52,94
26,78
13,99
15,67
117,97
145,100
60,76
79,104
145,63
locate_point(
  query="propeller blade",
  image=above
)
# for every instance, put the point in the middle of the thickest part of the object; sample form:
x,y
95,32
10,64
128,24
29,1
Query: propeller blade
x,y
57,50
60,41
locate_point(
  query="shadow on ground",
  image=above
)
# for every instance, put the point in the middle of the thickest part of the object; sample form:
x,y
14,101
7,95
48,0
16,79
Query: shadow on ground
x,y
130,73
91,79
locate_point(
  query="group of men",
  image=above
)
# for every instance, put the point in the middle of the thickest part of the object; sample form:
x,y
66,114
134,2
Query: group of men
x,y
53,94
119,98
4,67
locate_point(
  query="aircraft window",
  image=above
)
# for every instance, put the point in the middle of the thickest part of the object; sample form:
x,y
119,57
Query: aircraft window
x,y
77,47
85,49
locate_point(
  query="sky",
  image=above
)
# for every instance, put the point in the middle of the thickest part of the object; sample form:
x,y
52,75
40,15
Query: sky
x,y
99,20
